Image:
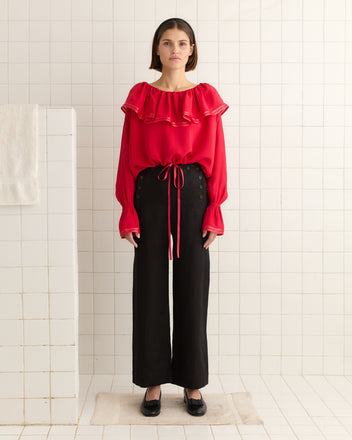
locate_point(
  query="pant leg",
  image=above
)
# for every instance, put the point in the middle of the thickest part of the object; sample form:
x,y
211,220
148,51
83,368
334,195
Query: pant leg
x,y
151,320
191,277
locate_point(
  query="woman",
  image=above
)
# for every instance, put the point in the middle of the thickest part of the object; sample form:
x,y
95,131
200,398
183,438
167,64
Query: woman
x,y
172,132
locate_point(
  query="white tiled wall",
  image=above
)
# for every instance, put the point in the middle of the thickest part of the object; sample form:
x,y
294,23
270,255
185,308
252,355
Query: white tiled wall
x,y
39,286
281,280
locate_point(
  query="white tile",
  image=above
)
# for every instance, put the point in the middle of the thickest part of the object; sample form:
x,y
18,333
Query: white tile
x,y
60,174
36,331
59,122
62,305
60,200
37,384
63,358
10,227
34,227
37,410
35,306
10,306
60,227
11,385
11,332
60,253
62,332
60,147
34,253
61,279
64,411
10,253
63,384
11,412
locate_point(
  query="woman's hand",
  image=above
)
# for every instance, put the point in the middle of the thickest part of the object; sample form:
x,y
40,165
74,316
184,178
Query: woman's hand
x,y
211,238
129,237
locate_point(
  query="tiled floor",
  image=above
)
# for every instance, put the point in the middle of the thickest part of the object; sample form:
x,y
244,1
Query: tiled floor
x,y
292,408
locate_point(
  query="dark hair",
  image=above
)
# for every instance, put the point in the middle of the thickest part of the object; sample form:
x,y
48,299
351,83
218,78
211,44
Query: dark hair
x,y
172,23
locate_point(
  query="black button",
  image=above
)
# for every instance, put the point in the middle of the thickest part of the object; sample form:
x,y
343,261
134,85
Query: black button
x,y
200,186
138,196
200,177
201,196
139,187
141,177
188,167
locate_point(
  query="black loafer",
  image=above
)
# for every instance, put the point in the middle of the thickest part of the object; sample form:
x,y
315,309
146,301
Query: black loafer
x,y
151,407
196,407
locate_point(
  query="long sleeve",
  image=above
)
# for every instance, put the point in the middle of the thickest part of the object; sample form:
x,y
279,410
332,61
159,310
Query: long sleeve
x,y
125,185
217,185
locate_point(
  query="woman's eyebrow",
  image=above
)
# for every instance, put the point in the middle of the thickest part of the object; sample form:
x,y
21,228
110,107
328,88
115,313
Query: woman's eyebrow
x,y
168,39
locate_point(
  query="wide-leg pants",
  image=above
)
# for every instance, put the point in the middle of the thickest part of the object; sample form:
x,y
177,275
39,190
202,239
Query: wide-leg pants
x,y
152,360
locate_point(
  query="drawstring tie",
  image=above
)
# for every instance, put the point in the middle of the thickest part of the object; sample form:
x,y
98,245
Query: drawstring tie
x,y
177,170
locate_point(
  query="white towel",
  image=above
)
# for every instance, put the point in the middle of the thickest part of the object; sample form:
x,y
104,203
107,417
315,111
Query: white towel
x,y
19,154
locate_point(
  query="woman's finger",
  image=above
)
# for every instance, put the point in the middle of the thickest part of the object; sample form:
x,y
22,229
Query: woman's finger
x,y
129,237
210,239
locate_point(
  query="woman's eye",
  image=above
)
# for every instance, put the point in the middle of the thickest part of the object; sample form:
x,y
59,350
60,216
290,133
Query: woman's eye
x,y
182,44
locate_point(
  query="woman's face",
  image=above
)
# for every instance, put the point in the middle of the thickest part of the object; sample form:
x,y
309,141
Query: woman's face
x,y
174,49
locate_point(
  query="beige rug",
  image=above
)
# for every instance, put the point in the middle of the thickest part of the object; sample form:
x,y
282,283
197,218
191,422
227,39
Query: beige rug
x,y
222,409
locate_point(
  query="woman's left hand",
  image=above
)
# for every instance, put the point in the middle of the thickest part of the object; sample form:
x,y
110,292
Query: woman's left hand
x,y
211,238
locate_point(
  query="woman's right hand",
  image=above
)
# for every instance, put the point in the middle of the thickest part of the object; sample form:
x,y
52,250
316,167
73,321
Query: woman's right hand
x,y
129,237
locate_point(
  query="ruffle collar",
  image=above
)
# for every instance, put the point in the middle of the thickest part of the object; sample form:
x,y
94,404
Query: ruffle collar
x,y
178,108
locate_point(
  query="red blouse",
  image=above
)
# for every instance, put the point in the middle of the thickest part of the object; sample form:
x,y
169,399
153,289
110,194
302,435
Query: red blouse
x,y
170,128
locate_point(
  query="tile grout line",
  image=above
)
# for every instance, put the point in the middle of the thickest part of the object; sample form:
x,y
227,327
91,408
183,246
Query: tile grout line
x,y
301,190
281,204
47,213
322,167
260,354
344,259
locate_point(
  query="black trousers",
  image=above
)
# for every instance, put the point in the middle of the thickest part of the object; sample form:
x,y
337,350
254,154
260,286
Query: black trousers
x,y
152,361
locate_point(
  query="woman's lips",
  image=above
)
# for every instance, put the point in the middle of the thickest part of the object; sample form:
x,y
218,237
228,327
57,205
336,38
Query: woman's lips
x,y
174,58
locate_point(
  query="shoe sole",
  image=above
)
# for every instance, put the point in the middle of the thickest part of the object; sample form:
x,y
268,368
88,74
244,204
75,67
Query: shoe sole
x,y
151,415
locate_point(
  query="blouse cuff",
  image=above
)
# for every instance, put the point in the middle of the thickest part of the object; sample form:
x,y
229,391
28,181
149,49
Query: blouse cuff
x,y
129,221
212,220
